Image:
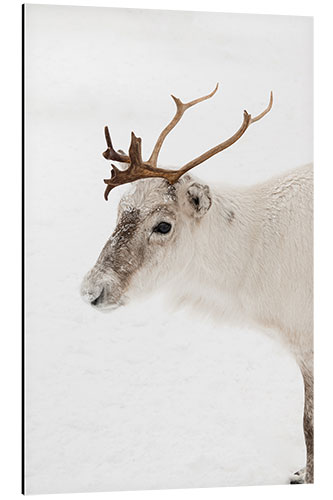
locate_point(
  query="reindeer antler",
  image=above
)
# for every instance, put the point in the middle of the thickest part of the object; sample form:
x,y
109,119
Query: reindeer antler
x,y
138,169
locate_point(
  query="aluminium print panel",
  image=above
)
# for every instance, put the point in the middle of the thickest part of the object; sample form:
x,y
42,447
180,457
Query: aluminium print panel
x,y
167,330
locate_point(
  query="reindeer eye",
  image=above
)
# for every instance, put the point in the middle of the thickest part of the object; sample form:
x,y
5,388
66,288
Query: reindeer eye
x,y
162,227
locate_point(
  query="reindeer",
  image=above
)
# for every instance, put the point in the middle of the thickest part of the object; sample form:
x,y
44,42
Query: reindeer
x,y
245,252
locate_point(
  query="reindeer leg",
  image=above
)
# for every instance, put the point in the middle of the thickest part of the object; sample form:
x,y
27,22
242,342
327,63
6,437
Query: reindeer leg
x,y
306,475
308,423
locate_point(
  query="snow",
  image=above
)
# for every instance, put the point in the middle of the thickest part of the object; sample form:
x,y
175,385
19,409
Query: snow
x,y
143,397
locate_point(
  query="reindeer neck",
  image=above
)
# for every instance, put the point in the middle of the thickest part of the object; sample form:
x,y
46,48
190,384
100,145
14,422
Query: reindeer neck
x,y
226,236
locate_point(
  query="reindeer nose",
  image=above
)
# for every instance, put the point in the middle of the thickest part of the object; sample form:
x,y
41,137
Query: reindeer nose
x,y
99,299
92,294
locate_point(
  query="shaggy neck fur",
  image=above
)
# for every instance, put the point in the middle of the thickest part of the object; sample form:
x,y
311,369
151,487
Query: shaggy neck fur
x,y
252,254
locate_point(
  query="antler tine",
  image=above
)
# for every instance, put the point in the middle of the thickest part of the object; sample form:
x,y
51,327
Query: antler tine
x,y
181,108
107,190
111,153
247,120
269,107
135,152
136,168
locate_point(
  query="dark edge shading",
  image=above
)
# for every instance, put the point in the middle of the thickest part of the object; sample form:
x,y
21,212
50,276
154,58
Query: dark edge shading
x,y
23,271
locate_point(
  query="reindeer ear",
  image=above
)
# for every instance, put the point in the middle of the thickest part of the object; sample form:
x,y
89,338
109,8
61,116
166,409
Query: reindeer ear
x,y
199,199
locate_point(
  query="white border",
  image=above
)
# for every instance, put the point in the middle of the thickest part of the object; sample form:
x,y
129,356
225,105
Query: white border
x,y
10,247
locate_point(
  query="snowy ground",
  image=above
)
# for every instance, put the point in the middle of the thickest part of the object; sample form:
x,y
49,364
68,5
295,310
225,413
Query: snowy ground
x,y
142,398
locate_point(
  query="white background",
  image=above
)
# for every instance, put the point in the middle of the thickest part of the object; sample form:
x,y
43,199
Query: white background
x,y
320,470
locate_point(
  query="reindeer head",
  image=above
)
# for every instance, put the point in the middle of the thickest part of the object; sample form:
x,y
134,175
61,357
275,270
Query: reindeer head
x,y
157,218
